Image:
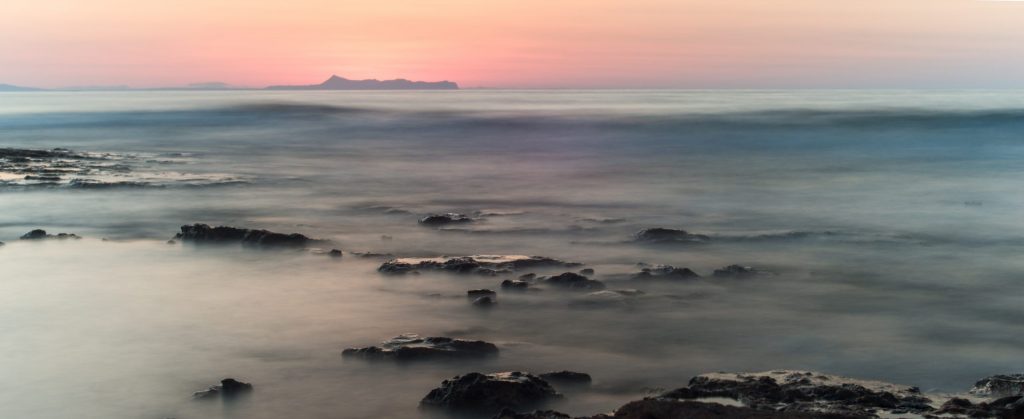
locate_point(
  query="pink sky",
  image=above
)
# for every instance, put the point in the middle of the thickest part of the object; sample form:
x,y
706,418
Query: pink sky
x,y
516,43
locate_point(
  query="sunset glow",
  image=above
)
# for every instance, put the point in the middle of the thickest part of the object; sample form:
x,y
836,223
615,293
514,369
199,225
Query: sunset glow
x,y
523,43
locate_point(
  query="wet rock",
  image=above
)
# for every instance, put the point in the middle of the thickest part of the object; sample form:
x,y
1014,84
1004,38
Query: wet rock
x,y
604,298
574,281
334,253
515,285
38,234
738,271
528,277
668,235
806,392
1005,407
204,234
491,393
999,386
229,388
660,408
488,265
481,293
486,301
434,220
567,378
667,272
537,414
587,271
411,347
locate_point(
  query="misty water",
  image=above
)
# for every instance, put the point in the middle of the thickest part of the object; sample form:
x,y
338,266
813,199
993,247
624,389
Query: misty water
x,y
890,221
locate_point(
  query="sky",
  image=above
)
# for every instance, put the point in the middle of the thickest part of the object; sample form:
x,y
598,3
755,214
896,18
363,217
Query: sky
x,y
517,43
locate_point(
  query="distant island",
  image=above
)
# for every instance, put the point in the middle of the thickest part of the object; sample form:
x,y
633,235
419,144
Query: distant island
x,y
13,88
341,83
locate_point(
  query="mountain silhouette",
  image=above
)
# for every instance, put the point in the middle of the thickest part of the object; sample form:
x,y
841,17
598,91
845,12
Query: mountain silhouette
x,y
341,83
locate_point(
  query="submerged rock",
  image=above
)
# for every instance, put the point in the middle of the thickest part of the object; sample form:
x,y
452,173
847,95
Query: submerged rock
x,y
536,414
570,280
38,234
480,293
489,265
334,253
605,298
444,219
668,235
515,285
586,271
486,301
806,392
1002,385
411,347
668,272
229,388
491,393
204,234
567,378
738,271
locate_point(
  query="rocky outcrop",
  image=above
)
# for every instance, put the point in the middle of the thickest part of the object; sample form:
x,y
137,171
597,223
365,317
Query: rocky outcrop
x,y
1005,407
738,272
437,220
412,347
515,285
806,392
491,393
668,236
488,265
486,301
38,234
204,234
228,389
1003,385
660,408
573,281
666,272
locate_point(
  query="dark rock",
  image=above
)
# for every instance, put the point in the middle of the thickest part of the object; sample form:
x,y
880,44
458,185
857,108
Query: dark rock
x,y
659,408
485,301
528,277
172,242
738,271
38,234
514,285
537,414
204,234
999,386
567,378
480,293
334,253
488,265
444,219
587,271
570,280
668,272
229,388
491,393
411,347
668,235
805,391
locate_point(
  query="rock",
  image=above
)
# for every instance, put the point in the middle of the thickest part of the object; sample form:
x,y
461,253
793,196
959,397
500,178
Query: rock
x,y
569,280
807,392
334,253
485,301
434,220
204,234
607,298
668,235
490,393
515,285
659,408
567,378
738,271
411,347
386,237
38,234
587,271
488,265
528,277
1002,385
172,242
1005,407
537,414
228,389
481,293
668,272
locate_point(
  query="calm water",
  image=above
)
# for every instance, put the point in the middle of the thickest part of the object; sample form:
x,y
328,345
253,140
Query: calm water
x,y
891,220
